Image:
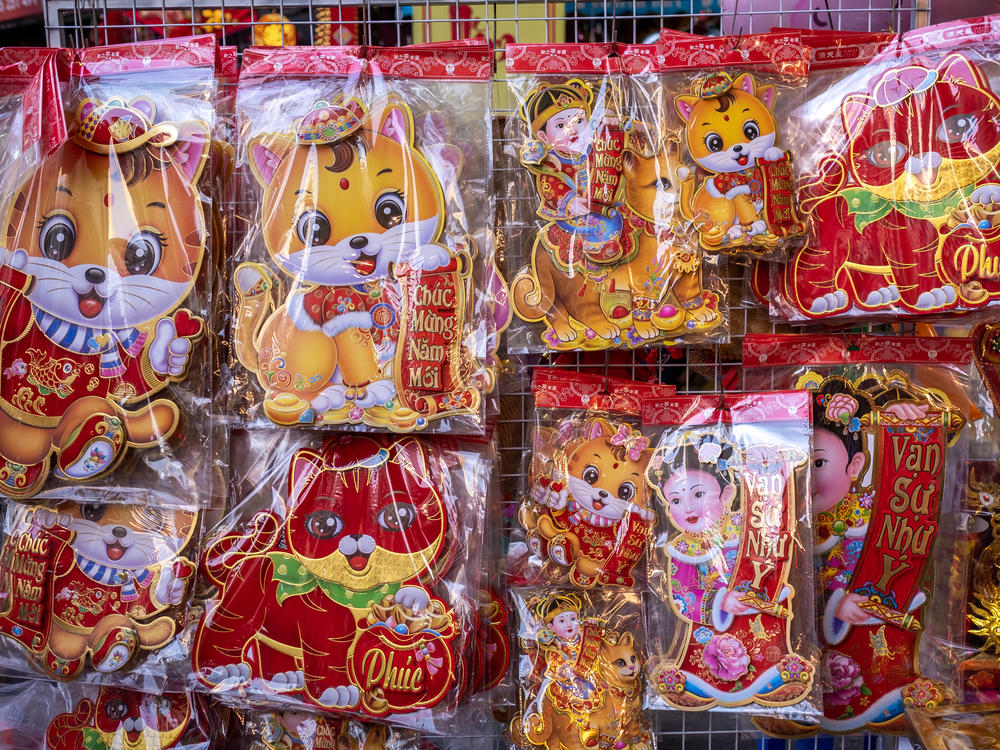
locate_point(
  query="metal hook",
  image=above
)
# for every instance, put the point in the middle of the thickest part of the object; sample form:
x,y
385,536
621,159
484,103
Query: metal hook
x,y
739,38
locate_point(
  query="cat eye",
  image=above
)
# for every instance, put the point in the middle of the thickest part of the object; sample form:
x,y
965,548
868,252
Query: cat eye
x,y
57,238
324,524
626,491
313,228
143,253
591,475
661,183
886,154
751,130
93,513
619,662
116,710
397,517
389,210
713,141
957,128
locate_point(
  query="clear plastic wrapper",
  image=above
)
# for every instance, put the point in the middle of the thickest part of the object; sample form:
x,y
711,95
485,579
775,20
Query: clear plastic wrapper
x,y
289,730
580,669
51,716
903,188
586,515
348,576
957,727
366,291
591,225
728,101
731,613
95,591
105,291
888,455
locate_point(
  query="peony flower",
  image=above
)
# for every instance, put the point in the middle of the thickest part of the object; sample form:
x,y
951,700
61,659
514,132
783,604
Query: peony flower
x,y
842,681
726,658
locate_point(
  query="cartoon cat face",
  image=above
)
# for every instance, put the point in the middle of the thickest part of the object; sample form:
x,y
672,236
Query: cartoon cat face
x,y
122,535
603,478
137,721
364,512
652,186
922,134
621,659
343,213
113,241
731,131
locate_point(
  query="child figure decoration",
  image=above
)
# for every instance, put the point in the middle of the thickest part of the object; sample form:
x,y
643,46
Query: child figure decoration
x,y
330,603
745,203
605,270
727,569
590,520
370,330
879,449
906,216
103,243
588,678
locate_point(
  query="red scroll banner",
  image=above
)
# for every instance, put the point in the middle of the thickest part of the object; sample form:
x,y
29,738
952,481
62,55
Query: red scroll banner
x,y
890,572
428,373
779,192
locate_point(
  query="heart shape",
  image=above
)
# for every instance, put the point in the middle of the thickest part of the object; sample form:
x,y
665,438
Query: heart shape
x,y
183,569
99,341
188,326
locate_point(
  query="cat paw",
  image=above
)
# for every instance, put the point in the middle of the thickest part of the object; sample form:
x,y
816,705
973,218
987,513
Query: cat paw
x,y
758,227
936,298
285,682
735,232
605,330
829,302
986,194
412,598
344,696
562,333
883,296
329,399
428,257
168,354
14,258
230,675
773,153
377,393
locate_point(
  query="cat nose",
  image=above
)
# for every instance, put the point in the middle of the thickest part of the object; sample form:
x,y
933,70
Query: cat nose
x,y
356,537
119,531
603,493
95,275
737,148
359,242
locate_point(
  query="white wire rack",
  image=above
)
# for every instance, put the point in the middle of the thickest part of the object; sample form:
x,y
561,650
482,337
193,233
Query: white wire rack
x,y
81,23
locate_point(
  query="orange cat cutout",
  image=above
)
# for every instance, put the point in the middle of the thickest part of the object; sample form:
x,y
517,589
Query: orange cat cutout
x,y
745,201
102,244
353,213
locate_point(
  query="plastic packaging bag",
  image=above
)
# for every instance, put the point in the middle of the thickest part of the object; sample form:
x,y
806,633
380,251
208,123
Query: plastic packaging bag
x,y
903,195
591,225
580,669
284,730
95,590
586,512
347,578
731,613
40,715
888,449
387,305
105,291
740,194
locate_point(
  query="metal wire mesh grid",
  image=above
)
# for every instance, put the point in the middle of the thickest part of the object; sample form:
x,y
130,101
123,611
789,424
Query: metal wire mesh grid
x,y
81,23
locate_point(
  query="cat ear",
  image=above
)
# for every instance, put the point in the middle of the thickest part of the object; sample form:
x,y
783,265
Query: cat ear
x,y
595,430
265,153
626,639
305,465
190,150
767,94
745,83
854,109
956,68
395,122
685,106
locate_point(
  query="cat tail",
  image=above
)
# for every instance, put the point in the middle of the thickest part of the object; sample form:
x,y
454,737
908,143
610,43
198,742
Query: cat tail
x,y
829,178
254,301
531,300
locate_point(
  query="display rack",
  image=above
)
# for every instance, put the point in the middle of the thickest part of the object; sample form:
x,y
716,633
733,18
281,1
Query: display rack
x,y
81,23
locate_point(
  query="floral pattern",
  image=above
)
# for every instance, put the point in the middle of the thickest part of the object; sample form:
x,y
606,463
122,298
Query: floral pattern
x,y
842,680
726,658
